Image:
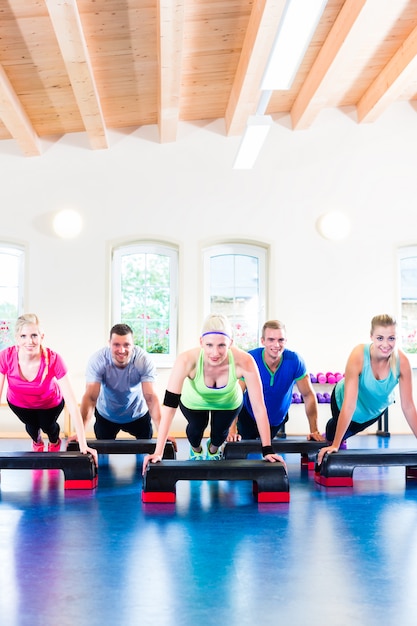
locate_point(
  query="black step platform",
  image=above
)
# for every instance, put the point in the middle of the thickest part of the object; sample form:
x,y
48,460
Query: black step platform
x,y
336,469
125,446
307,449
270,480
79,469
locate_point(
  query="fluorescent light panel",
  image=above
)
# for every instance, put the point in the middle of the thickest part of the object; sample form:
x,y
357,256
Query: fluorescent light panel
x,y
252,141
297,26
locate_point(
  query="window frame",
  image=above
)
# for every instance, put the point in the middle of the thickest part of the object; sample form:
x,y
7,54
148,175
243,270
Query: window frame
x,y
19,251
258,251
148,247
405,252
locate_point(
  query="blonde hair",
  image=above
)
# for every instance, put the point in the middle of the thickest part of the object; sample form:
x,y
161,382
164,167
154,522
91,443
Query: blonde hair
x,y
31,318
386,320
215,323
27,318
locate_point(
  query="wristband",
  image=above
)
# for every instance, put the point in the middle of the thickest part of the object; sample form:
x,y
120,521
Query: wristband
x,y
267,450
172,399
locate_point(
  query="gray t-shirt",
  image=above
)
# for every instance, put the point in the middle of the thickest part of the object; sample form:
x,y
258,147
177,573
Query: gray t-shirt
x,y
121,398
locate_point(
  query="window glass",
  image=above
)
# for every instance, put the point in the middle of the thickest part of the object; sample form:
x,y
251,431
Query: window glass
x,y
11,291
235,286
145,296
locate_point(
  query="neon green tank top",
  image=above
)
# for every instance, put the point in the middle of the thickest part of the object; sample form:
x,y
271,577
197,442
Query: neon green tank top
x,y
197,396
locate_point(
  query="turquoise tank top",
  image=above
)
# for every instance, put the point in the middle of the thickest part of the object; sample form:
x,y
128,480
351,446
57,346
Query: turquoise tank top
x,y
197,396
374,396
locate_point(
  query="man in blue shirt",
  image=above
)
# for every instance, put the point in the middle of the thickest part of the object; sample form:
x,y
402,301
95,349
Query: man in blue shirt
x,y
279,369
120,388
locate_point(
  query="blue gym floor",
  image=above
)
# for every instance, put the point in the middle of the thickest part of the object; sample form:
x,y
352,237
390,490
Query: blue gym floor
x,y
339,556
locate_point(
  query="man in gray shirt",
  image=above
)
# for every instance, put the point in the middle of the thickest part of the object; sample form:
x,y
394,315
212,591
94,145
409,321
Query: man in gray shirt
x,y
120,388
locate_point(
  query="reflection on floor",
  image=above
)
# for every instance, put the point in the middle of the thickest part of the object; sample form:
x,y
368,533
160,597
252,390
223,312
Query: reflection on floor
x,y
339,556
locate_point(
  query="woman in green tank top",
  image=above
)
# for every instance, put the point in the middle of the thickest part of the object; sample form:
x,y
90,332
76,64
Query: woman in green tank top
x,y
204,384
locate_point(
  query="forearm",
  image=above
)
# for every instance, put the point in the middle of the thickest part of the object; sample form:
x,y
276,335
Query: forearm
x,y
411,417
154,411
78,423
263,427
87,409
167,415
311,412
341,428
156,419
233,426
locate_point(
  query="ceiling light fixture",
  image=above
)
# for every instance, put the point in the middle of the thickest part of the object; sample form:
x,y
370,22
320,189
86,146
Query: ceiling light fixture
x,y
67,224
296,29
253,139
333,225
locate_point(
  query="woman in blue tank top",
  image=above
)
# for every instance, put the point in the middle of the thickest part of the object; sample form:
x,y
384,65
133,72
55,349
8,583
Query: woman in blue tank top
x,y
372,373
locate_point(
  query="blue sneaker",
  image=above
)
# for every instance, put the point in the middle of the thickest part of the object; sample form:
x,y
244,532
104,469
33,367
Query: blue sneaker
x,y
216,456
196,456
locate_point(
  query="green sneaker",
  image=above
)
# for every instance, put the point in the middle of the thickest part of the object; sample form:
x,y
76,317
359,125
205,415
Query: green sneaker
x,y
196,456
216,456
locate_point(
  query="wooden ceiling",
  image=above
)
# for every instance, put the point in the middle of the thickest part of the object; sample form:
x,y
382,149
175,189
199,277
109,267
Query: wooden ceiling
x,y
70,66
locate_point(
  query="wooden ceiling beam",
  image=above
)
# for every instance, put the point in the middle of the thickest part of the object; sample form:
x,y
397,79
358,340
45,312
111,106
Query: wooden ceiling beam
x,y
390,82
66,22
170,20
259,39
15,119
308,102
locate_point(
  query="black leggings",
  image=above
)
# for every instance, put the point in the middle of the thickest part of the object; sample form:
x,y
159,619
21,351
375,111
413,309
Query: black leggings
x,y
220,423
40,419
248,429
353,428
140,428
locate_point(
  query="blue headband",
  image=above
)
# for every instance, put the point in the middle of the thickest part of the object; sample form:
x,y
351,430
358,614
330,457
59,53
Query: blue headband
x,y
215,332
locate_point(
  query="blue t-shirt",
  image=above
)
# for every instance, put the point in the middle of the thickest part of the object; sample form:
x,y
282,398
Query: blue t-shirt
x,y
121,398
278,385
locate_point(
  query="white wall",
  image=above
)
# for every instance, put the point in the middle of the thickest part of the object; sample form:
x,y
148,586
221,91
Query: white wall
x,y
187,193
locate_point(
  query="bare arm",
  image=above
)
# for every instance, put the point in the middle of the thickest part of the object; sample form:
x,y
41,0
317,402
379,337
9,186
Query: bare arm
x,y
406,393
154,407
2,379
246,367
310,403
258,406
89,400
233,434
353,369
75,414
152,401
183,366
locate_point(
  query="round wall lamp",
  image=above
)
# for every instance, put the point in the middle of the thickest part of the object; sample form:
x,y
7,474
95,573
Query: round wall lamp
x,y
67,224
333,225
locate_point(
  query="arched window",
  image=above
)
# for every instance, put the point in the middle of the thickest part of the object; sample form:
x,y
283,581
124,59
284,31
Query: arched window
x,y
235,285
144,296
11,290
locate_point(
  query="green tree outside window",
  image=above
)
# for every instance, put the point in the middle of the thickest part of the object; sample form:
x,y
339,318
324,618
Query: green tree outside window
x,y
145,295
